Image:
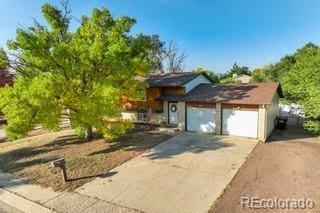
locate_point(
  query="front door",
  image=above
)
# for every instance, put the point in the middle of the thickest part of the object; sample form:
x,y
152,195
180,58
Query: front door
x,y
173,113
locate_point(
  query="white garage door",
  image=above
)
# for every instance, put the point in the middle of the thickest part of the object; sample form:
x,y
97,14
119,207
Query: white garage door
x,y
201,119
240,123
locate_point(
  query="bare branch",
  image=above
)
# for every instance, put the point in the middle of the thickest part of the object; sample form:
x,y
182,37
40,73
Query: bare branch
x,y
168,58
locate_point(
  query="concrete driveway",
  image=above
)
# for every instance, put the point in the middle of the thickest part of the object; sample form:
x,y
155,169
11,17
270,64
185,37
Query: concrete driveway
x,y
187,173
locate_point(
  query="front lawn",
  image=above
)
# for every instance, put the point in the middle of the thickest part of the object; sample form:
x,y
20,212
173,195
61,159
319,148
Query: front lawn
x,y
30,157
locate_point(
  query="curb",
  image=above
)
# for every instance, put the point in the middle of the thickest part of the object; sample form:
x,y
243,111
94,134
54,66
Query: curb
x,y
22,203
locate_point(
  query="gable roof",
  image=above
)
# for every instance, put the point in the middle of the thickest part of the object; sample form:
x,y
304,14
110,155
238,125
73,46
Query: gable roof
x,y
252,93
177,79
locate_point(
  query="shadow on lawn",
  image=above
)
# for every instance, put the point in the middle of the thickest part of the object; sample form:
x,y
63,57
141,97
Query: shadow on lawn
x,y
18,159
68,140
11,161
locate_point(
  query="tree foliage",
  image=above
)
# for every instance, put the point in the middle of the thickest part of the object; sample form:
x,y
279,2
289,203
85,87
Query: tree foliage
x,y
299,75
215,78
260,75
228,80
302,85
6,77
82,74
236,69
4,61
274,72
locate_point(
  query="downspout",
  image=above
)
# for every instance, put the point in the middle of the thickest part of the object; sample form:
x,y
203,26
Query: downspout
x,y
265,123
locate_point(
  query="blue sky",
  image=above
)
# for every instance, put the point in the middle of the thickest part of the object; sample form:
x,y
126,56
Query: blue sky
x,y
215,33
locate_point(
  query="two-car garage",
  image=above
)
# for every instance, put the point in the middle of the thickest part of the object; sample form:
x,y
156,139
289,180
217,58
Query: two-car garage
x,y
247,110
235,120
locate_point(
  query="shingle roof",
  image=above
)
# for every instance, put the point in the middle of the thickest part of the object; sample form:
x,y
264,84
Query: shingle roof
x,y
171,79
253,93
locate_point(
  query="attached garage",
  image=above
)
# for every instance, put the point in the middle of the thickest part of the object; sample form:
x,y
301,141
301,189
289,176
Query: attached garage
x,y
247,110
201,117
240,121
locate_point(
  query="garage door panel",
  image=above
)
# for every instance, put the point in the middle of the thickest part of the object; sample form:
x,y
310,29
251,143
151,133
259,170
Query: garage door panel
x,y
240,123
201,119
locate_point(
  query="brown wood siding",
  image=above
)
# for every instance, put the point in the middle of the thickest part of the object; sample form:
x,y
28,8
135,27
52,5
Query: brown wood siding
x,y
240,106
152,93
201,104
151,101
173,91
155,105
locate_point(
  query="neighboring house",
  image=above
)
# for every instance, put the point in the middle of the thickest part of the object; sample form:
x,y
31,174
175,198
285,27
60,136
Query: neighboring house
x,y
193,103
243,78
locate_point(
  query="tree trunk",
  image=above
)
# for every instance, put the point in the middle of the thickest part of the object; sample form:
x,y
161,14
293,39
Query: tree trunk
x,y
89,133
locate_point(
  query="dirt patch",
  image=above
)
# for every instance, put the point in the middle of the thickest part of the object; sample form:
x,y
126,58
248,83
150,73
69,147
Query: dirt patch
x,y
30,157
286,167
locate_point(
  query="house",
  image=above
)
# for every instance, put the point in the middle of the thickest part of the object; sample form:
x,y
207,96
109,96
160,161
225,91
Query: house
x,y
192,102
243,78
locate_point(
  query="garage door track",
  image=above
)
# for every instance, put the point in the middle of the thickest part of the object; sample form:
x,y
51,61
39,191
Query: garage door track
x,y
187,173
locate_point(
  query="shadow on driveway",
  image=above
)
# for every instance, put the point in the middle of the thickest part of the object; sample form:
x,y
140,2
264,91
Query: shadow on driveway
x,y
188,142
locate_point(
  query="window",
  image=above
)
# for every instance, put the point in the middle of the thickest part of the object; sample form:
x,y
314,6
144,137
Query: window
x,y
142,116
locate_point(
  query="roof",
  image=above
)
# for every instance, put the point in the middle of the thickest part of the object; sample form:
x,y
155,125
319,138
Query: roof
x,y
251,93
176,79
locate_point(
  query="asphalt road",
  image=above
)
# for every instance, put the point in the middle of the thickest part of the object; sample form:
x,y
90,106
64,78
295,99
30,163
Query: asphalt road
x,y
5,208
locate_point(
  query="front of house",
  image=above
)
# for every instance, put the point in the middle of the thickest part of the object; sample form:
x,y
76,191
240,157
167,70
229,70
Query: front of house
x,y
192,102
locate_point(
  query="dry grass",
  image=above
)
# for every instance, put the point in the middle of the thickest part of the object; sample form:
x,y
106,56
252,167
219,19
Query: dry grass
x,y
30,157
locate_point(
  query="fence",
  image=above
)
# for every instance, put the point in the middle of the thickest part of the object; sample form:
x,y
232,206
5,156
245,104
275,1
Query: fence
x,y
294,112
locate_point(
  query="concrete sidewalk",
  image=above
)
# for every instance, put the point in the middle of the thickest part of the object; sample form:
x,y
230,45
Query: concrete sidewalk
x,y
32,198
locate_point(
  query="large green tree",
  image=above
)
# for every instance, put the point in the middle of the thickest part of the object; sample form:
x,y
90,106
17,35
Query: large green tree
x,y
81,74
299,75
274,72
302,85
